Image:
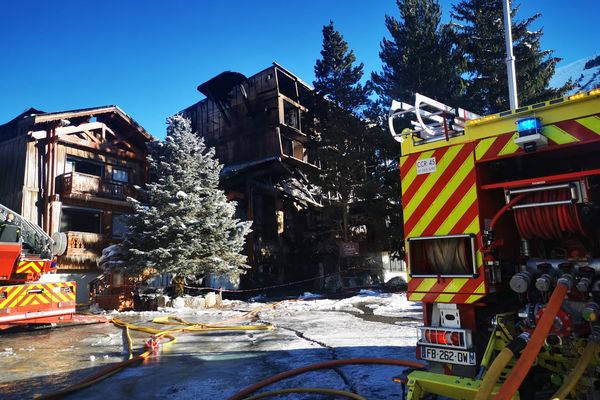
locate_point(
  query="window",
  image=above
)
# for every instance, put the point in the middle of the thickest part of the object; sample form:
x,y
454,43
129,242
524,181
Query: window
x,y
80,220
83,166
119,225
120,175
291,115
287,146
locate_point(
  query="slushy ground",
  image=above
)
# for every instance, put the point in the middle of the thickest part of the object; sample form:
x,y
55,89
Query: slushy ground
x,y
218,364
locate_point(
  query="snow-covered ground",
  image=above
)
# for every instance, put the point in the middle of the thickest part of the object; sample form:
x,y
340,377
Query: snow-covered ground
x,y
217,365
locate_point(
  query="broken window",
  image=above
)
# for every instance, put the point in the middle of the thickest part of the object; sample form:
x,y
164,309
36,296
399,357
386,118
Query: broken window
x,y
299,151
291,115
80,220
287,146
83,166
287,85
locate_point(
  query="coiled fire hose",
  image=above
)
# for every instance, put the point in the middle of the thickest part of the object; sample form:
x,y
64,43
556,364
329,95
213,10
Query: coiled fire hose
x,y
570,381
502,359
523,365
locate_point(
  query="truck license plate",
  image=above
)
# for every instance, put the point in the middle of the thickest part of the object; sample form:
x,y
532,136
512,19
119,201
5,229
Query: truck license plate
x,y
448,355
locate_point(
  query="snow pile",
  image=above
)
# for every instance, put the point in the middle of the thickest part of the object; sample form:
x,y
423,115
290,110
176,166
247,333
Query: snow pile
x,y
383,304
7,352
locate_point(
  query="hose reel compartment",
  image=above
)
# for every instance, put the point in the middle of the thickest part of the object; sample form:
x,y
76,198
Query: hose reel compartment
x,y
443,256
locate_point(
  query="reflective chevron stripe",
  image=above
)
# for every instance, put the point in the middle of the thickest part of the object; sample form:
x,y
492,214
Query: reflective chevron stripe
x,y
37,294
26,266
559,133
442,202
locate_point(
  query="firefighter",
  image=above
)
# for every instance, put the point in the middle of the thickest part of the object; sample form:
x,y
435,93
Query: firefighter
x,y
177,286
10,219
9,231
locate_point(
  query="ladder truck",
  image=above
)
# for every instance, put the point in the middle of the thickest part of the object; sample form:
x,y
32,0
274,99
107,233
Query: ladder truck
x,y
26,254
502,239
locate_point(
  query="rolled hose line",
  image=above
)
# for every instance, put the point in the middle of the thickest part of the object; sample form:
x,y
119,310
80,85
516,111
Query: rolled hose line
x,y
242,394
523,365
334,392
570,381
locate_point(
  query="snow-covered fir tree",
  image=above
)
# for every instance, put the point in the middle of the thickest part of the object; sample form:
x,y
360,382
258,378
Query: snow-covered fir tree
x,y
184,224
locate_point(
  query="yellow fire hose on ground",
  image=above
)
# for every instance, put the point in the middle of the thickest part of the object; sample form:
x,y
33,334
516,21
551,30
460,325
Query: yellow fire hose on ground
x,y
154,343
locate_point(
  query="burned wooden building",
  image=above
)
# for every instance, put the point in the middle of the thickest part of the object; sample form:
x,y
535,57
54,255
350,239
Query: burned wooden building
x,y
71,172
262,130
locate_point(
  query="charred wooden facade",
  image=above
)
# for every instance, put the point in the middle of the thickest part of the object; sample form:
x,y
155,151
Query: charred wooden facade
x,y
262,130
71,172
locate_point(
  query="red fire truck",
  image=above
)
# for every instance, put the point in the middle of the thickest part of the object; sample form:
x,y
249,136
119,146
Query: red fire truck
x,y
502,228
27,253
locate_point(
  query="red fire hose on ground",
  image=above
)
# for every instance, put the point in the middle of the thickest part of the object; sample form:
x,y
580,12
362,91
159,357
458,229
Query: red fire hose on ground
x,y
322,365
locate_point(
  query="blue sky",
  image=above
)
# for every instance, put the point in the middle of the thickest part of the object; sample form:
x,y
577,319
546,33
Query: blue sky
x,y
148,57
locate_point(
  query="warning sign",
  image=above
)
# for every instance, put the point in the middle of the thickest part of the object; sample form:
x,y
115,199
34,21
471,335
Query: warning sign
x,y
349,249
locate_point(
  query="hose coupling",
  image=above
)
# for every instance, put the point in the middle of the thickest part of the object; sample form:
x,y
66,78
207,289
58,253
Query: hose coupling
x,y
543,283
566,280
520,282
591,312
595,334
518,344
583,285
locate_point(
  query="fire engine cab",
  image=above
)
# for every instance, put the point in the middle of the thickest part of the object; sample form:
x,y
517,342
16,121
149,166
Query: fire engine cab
x,y
502,240
27,253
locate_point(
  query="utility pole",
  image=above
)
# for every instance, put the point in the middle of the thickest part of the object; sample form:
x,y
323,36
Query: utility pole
x,y
510,58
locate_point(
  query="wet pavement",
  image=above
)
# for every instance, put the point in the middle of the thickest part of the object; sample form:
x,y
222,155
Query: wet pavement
x,y
218,364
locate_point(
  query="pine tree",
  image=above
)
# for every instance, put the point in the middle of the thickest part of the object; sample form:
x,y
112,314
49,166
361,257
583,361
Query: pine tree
x,y
481,38
341,100
184,224
420,56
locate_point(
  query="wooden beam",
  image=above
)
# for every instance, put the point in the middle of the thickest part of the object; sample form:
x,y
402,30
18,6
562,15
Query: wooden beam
x,y
91,137
67,130
100,148
73,114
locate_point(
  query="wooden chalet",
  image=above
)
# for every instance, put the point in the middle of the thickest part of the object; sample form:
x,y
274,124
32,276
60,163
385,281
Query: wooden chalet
x,y
72,171
262,130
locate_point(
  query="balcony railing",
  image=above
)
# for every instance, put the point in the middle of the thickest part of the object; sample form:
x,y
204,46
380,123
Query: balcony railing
x,y
78,183
85,246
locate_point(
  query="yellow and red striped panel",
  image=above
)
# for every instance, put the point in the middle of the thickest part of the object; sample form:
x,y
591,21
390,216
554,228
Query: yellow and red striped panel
x,y
27,266
37,294
584,129
448,290
442,202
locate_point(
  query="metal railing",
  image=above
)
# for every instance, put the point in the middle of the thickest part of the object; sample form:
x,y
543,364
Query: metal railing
x,y
32,234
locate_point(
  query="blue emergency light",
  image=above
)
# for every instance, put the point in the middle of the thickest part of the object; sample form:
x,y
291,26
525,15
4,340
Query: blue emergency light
x,y
529,126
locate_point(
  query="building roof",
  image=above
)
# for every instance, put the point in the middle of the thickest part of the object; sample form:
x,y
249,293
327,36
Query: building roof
x,y
25,121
